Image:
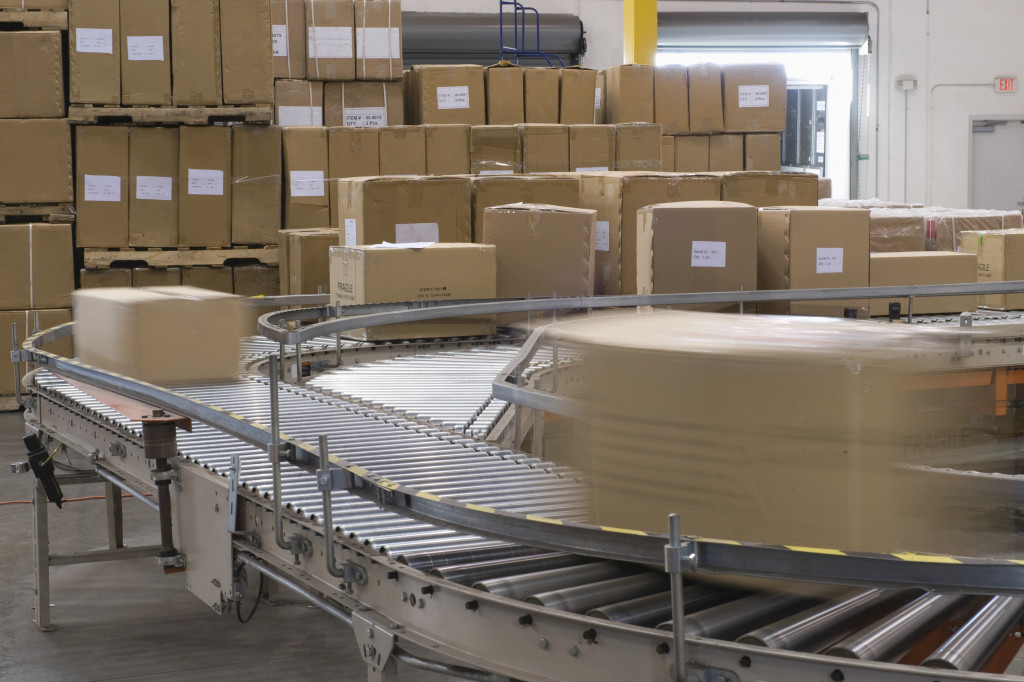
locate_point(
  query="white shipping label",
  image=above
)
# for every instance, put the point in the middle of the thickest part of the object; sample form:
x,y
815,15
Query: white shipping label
x,y
280,34
830,261
602,236
497,172
407,245
417,232
753,96
330,42
366,117
99,40
378,43
592,169
154,187
309,183
145,48
102,188
206,182
453,97
597,98
707,255
300,116
350,232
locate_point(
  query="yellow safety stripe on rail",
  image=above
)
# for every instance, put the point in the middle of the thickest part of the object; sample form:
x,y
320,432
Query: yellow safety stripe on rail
x,y
542,519
428,496
927,558
815,550
480,508
627,531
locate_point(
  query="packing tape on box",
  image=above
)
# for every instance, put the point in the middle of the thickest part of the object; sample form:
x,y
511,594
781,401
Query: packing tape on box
x,y
316,59
31,278
288,32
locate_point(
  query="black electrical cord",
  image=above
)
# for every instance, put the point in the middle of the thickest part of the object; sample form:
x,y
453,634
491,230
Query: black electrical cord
x,y
259,595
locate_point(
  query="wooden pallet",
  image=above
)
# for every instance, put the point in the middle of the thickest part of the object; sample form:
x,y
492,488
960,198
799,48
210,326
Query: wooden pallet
x,y
29,18
101,259
37,213
8,403
87,113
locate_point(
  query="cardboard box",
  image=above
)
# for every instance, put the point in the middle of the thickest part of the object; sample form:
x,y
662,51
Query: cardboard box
x,y
306,171
288,27
600,100
919,268
898,230
101,187
763,189
403,210
36,269
697,246
26,326
638,147
32,80
255,184
330,40
36,164
949,224
94,52
693,154
156,277
255,280
111,277
706,113
403,150
163,335
545,148
378,40
630,92
196,52
754,98
763,152
247,52
500,190
824,188
504,88
362,104
351,153
304,264
145,52
540,94
668,154
811,247
725,153
56,5
1000,257
152,186
204,181
542,251
448,149
213,278
377,274
671,99
617,197
446,94
577,96
495,150
298,103
591,148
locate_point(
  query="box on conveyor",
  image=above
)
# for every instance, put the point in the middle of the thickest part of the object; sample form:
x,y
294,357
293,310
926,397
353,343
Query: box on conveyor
x,y
298,103
763,189
495,150
545,148
288,19
32,75
330,40
693,153
629,90
102,188
145,52
540,94
447,149
36,266
924,267
577,96
306,170
247,52
304,262
591,148
638,147
26,321
401,210
504,87
754,98
94,52
362,104
446,94
36,164
204,186
1000,257
152,186
403,150
196,52
255,184
378,40
671,99
498,190
705,85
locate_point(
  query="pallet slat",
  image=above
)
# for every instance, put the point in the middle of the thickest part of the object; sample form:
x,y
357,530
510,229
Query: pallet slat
x,y
186,115
101,259
45,19
52,213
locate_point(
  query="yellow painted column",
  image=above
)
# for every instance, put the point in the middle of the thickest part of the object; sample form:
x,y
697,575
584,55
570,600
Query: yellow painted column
x,y
639,31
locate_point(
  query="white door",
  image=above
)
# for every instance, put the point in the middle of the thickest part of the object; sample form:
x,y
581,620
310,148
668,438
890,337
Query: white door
x,y
997,165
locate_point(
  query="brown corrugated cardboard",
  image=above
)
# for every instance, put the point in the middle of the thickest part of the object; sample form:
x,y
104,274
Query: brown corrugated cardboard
x,y
152,186
36,164
402,210
1000,257
629,90
351,153
102,191
668,154
36,269
196,52
298,103
304,264
495,150
94,52
330,40
705,81
446,94
255,184
362,104
162,335
638,147
725,153
754,98
214,278
255,280
56,5
600,100
288,19
545,148
811,247
111,277
696,246
950,223
306,171
378,40
617,197
671,99
403,151
763,152
763,189
247,52
375,274
26,324
591,148
204,182
156,277
824,188
448,149
693,154
540,94
504,88
145,52
500,190
577,96
924,267
32,77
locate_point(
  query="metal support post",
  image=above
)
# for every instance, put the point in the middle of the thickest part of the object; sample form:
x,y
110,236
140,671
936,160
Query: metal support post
x,y
41,531
674,567
115,516
17,364
159,442
639,31
274,451
325,468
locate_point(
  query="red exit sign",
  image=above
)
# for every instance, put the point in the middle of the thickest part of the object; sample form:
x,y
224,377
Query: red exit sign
x,y
1006,84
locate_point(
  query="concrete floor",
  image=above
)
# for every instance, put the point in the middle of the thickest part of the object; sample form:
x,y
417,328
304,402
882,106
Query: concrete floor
x,y
126,620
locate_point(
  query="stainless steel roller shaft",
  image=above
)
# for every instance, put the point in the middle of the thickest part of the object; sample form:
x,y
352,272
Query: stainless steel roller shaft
x,y
972,646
